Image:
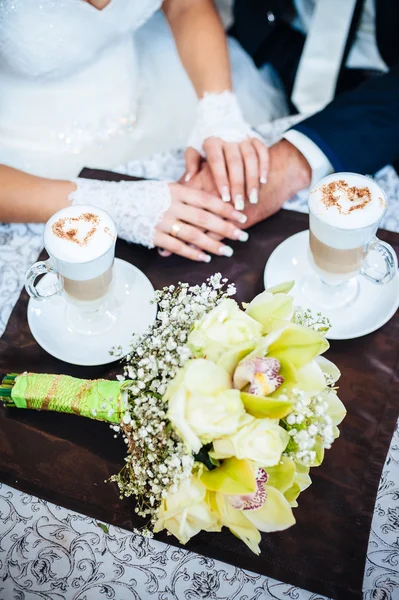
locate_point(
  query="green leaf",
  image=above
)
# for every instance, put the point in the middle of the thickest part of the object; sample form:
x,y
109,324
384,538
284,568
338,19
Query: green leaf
x,y
232,477
214,461
263,407
103,527
204,458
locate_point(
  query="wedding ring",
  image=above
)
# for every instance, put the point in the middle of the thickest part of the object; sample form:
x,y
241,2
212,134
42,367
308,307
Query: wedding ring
x,y
176,228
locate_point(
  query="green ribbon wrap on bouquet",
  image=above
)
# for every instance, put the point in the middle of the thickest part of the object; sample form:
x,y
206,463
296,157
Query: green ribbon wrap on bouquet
x,y
98,399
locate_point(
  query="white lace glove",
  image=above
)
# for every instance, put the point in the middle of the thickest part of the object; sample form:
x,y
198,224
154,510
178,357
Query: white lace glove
x,y
237,155
136,207
219,116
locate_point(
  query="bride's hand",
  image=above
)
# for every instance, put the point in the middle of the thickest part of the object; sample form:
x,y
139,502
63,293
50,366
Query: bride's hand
x,y
191,220
237,168
238,158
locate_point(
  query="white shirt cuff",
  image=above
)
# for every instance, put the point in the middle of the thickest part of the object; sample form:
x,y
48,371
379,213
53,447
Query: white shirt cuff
x,y
318,161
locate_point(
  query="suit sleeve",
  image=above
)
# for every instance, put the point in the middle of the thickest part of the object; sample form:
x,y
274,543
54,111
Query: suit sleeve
x,y
359,130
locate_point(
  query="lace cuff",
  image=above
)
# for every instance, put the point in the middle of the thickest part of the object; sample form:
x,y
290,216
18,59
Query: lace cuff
x,y
135,206
219,115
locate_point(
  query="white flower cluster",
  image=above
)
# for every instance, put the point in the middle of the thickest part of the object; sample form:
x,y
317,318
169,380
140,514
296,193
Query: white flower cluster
x,y
157,460
309,426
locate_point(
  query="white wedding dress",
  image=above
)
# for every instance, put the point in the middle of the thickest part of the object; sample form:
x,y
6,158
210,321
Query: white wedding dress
x,y
82,87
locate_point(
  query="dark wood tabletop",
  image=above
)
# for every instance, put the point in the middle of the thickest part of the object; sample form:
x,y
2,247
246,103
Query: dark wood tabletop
x,y
65,459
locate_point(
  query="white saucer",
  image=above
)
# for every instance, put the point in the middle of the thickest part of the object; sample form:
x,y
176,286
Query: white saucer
x,y
48,324
370,310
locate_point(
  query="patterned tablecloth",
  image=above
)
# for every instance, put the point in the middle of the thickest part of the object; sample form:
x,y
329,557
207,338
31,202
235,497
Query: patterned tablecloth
x,y
49,553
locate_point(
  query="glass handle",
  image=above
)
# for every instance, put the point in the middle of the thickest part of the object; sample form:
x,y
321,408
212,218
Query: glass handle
x,y
373,273
40,268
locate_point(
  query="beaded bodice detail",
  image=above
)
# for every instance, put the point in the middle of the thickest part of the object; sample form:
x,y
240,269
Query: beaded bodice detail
x,y
60,64
51,38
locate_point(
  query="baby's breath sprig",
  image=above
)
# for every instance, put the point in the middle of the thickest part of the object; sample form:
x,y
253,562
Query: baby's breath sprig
x,y
308,319
309,426
157,461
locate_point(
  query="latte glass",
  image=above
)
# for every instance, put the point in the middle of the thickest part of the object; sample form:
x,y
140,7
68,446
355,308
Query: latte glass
x,y
344,216
80,242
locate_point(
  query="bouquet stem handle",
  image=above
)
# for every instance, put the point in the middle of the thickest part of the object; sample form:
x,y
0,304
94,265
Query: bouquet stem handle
x,y
97,399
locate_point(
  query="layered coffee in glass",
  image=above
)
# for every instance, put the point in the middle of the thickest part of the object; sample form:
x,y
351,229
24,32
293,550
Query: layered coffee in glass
x,y
80,241
345,210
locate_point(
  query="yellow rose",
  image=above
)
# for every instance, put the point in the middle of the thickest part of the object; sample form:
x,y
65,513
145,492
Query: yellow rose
x,y
202,405
260,440
223,328
187,512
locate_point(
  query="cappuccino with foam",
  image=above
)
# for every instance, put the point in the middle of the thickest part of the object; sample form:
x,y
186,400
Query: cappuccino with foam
x,y
80,241
345,211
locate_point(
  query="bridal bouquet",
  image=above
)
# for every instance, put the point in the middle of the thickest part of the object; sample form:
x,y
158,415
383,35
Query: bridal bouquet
x,y
223,410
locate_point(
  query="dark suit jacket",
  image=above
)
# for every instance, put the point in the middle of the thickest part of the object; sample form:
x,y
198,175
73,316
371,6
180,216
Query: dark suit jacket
x,y
359,129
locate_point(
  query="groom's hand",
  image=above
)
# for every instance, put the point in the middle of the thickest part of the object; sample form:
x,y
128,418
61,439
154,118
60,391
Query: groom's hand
x,y
203,180
289,173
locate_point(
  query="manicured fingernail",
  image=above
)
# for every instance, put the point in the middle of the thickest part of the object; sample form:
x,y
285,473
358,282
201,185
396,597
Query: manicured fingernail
x,y
253,196
205,258
187,177
226,251
240,217
239,202
263,177
241,236
225,194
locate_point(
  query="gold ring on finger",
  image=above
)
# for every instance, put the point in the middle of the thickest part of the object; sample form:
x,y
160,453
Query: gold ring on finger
x,y
176,228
